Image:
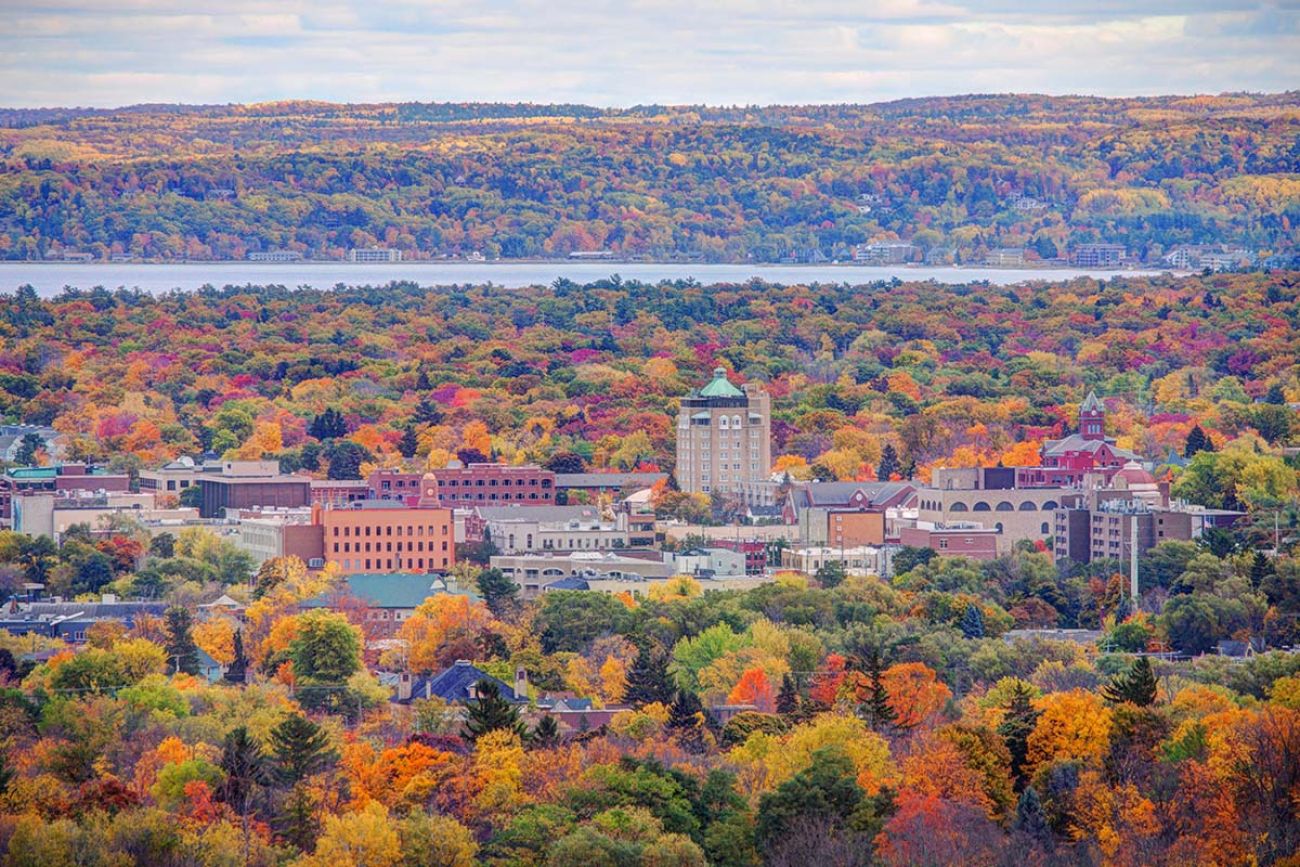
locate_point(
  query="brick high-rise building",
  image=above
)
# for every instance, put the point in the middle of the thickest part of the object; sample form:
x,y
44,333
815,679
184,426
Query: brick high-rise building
x,y
724,437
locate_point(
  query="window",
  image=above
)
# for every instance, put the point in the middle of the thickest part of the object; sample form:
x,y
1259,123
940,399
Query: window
x,y
1043,528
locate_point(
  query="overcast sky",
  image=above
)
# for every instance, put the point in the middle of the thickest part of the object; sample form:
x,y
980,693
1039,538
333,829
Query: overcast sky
x,y
624,52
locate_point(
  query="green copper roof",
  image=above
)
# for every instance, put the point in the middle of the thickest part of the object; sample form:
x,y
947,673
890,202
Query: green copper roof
x,y
720,386
390,589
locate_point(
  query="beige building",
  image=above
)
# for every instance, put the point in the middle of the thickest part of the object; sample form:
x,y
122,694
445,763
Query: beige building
x,y
988,498
724,438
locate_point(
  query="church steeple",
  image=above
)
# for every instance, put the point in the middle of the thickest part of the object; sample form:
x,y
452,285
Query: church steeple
x,y
1092,418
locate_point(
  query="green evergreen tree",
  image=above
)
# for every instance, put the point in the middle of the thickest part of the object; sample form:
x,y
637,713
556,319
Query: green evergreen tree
x,y
889,463
237,671
876,709
647,679
546,733
182,652
1137,685
1261,569
830,574
489,712
28,447
1030,818
246,772
787,699
1017,724
1197,441
686,720
498,591
328,425
427,412
972,622
300,748
297,818
409,444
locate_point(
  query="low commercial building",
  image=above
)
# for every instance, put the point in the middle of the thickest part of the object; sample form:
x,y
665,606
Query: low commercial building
x,y
268,534
177,476
516,529
954,539
614,572
594,485
53,514
70,620
859,560
251,484
844,514
385,599
339,492
59,478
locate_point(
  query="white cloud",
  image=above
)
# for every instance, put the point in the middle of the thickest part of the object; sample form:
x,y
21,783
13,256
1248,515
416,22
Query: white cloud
x,y
621,52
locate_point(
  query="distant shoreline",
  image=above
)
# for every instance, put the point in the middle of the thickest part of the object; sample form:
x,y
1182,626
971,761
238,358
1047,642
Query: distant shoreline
x,y
497,263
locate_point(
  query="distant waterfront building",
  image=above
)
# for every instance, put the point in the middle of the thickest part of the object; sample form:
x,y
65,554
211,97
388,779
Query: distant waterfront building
x,y
883,253
374,254
1099,255
1194,257
1004,257
275,256
724,437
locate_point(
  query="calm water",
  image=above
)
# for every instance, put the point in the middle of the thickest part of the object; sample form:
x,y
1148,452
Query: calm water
x,y
50,278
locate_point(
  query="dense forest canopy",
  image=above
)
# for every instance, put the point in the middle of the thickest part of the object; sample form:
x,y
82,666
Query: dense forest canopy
x,y
943,373
720,184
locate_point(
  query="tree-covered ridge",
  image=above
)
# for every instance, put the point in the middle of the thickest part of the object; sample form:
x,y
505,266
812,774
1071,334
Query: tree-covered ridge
x,y
204,182
939,373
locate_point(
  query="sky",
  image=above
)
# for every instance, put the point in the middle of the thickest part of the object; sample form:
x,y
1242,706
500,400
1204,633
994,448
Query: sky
x,y
625,52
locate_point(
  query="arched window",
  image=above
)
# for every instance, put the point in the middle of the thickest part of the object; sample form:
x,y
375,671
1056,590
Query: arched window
x,y
1004,506
998,526
735,422
981,506
724,422
1049,505
957,507
1044,529
1028,506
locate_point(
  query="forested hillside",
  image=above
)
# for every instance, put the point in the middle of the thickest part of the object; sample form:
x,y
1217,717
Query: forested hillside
x,y
960,174
952,375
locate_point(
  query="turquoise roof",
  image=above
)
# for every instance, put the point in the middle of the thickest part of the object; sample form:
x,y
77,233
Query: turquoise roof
x,y
720,386
34,472
390,589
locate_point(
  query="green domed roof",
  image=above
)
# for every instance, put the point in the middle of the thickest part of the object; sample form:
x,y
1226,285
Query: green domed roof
x,y
720,386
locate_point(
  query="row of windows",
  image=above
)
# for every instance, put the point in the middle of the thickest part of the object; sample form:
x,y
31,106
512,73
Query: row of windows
x,y
981,506
381,547
417,530
467,497
392,564
492,483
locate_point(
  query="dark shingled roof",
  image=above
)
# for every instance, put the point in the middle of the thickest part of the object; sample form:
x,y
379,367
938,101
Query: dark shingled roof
x,y
456,684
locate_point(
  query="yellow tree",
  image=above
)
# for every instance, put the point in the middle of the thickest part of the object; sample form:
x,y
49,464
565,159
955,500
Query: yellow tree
x,y
1072,725
444,628
366,838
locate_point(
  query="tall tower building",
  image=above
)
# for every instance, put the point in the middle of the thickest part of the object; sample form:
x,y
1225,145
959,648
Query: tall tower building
x,y
724,437
1092,418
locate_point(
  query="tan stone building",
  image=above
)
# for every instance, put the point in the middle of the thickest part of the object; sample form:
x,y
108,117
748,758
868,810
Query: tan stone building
x,y
724,438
